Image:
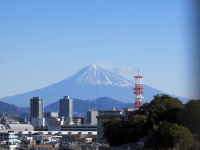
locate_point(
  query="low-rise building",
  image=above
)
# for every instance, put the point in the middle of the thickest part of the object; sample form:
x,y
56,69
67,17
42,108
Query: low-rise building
x,y
10,137
77,120
5,126
127,112
51,114
53,124
103,117
79,128
8,140
38,122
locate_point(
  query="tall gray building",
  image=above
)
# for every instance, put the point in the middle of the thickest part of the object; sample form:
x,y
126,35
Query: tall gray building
x,y
91,117
36,108
66,109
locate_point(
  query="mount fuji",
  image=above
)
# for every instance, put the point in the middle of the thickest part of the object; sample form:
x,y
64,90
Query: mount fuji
x,y
89,83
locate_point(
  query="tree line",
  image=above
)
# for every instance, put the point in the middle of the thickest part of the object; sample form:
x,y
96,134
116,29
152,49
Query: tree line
x,y
165,121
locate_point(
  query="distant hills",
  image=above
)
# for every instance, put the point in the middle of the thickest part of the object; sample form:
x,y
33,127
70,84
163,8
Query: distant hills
x,y
80,107
89,83
13,110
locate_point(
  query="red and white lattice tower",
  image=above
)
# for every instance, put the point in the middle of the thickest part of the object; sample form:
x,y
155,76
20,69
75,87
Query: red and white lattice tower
x,y
138,90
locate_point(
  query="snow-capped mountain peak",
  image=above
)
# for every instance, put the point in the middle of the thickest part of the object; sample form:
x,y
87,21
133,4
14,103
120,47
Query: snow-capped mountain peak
x,y
94,66
91,82
98,75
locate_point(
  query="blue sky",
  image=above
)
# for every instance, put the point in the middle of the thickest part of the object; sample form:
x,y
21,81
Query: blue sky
x,y
43,42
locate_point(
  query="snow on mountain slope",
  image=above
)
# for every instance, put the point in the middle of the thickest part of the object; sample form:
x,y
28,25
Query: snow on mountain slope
x,y
90,83
97,75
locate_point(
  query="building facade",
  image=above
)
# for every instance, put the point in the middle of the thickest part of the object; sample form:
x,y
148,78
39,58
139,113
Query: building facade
x,y
51,114
104,116
36,111
66,109
36,107
92,117
79,128
10,137
38,122
53,124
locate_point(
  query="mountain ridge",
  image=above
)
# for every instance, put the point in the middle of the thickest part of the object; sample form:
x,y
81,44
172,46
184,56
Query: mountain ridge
x,y
6,108
97,75
90,83
80,107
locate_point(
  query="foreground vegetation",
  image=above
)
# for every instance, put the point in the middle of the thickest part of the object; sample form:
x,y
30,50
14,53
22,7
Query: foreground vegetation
x,y
166,123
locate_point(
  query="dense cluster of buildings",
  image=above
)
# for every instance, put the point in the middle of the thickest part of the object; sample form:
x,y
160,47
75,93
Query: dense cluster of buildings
x,y
50,129
58,129
54,121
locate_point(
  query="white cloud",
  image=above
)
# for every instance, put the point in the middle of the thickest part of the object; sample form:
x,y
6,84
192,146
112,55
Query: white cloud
x,y
124,69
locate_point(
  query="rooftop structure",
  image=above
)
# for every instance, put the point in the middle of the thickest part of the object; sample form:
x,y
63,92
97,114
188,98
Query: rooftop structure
x,y
5,126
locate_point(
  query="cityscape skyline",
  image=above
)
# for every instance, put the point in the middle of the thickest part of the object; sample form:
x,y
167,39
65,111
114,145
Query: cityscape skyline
x,y
39,39
68,68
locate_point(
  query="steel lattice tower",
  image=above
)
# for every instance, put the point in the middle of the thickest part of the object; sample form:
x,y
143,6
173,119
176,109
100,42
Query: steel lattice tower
x,y
138,90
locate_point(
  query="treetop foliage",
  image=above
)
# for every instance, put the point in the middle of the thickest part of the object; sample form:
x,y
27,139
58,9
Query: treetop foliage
x,y
168,135
165,121
164,102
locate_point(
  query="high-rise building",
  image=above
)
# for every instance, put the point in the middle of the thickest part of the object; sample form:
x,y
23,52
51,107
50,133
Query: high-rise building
x,y
92,117
66,109
36,107
36,111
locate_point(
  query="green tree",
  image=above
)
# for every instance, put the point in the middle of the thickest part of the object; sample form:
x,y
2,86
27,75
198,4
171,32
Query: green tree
x,y
164,121
119,132
138,118
163,102
113,131
137,128
164,107
190,116
170,135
